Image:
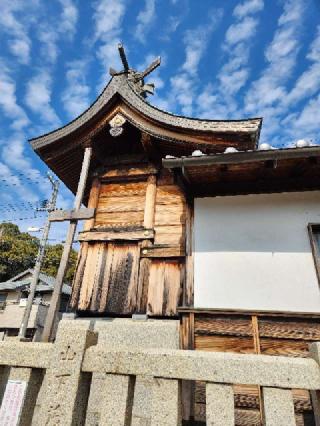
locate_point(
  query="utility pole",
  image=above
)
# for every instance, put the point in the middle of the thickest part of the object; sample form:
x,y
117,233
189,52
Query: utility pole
x,y
41,252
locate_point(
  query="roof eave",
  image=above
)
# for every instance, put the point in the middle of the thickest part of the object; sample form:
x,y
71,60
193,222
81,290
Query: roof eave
x,y
119,85
241,157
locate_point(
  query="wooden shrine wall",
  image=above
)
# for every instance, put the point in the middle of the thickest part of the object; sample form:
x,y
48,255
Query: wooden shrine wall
x,y
132,253
255,334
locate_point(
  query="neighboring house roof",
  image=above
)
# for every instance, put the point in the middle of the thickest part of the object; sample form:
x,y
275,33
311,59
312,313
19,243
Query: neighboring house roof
x,y
45,284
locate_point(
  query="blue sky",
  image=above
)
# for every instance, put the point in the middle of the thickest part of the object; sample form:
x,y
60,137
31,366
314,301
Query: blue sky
x,y
220,59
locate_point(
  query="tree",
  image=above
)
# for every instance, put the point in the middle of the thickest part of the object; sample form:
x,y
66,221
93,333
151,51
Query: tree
x,y
18,251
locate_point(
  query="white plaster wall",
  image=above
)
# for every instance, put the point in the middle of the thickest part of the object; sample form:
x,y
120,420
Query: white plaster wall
x,y
253,252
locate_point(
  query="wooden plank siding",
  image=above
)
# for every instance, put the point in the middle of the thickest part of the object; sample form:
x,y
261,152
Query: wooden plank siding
x,y
269,335
133,254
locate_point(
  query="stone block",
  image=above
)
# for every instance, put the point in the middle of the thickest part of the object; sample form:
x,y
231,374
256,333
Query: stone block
x,y
166,403
219,405
33,378
216,367
63,395
117,399
121,334
278,407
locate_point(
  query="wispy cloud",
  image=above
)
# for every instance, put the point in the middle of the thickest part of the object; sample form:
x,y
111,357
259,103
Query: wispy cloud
x,y
75,97
219,101
68,18
308,82
107,18
281,57
248,7
144,20
8,100
38,98
48,38
184,83
15,20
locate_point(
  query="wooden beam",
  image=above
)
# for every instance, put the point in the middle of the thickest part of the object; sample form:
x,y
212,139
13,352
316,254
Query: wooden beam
x,y
165,251
56,295
143,234
62,215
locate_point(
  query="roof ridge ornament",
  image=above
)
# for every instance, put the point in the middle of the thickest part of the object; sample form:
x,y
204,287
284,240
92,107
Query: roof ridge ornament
x,y
134,77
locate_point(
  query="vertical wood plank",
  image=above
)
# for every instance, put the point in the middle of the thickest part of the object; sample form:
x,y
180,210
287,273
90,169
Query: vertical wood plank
x,y
122,287
98,277
78,276
156,286
143,285
278,407
89,276
149,211
106,278
219,405
172,288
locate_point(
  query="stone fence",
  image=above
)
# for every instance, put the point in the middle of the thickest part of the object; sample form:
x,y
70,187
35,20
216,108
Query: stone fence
x,y
82,379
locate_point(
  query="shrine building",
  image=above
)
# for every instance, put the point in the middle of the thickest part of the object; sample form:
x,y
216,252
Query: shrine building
x,y
192,220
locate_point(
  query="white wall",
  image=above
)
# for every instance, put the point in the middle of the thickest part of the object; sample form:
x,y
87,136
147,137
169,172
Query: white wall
x,y
253,252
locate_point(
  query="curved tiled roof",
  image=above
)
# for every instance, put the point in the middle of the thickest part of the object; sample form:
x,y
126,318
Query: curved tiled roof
x,y
119,85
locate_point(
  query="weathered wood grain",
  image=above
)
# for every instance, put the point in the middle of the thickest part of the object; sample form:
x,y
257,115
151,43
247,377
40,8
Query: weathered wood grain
x,y
122,189
128,171
63,215
294,348
164,288
173,235
224,344
89,275
301,330
163,252
143,285
135,235
206,325
122,279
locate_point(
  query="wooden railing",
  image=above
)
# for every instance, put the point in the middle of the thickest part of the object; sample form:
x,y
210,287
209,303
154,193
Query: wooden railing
x,y
60,381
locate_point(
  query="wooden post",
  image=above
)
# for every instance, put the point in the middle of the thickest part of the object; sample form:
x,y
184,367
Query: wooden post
x,y
188,288
82,256
55,300
257,350
148,223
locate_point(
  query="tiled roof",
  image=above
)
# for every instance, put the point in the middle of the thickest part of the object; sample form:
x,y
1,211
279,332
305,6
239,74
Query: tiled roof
x,y
45,284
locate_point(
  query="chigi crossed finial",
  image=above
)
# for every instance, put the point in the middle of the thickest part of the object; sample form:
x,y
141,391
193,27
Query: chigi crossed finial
x,y
136,78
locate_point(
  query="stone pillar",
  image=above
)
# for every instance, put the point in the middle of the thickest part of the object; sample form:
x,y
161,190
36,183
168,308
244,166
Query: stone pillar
x,y
131,334
117,403
166,403
278,407
219,405
63,396
314,350
33,378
